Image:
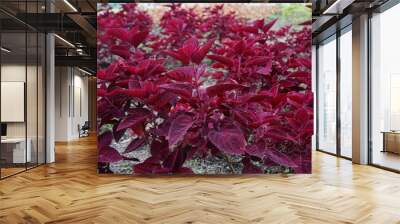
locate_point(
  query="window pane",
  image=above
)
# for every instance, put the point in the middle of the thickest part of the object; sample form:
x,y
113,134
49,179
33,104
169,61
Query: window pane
x,y
346,94
327,97
15,150
41,98
385,84
31,97
314,86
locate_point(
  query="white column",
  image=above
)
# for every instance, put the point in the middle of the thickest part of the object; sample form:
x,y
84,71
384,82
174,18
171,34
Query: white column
x,y
50,99
360,90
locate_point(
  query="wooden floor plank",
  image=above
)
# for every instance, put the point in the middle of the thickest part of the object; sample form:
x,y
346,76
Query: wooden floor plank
x,y
71,191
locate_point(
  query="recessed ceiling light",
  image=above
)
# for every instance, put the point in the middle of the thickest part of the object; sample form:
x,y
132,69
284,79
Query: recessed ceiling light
x,y
84,71
64,40
5,50
338,6
70,5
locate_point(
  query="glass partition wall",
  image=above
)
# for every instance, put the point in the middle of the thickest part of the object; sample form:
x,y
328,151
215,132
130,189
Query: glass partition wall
x,y
334,93
385,90
22,77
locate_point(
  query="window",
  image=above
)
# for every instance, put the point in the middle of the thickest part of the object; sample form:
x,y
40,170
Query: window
x,y
346,93
385,89
327,96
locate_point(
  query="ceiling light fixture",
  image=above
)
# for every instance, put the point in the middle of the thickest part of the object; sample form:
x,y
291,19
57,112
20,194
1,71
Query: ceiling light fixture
x,y
64,40
70,5
333,6
5,50
84,71
337,7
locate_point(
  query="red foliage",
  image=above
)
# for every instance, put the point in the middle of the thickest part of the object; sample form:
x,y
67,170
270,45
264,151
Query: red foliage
x,y
204,84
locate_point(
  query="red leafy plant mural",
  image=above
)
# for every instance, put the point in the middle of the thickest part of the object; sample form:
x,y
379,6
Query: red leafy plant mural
x,y
202,93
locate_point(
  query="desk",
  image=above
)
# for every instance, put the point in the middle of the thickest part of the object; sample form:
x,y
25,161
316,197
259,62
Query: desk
x,y
391,141
13,150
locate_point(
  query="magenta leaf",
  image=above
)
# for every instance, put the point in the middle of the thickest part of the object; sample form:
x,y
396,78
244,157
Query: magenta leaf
x,y
151,165
182,74
119,33
136,116
228,139
266,70
135,144
105,139
177,55
179,127
221,59
121,51
279,158
131,121
159,148
189,47
199,55
256,150
299,75
249,167
181,89
108,154
261,60
269,25
138,37
222,87
305,62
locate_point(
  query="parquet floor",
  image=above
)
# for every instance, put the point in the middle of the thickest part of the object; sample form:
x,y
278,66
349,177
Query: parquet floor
x,y
70,191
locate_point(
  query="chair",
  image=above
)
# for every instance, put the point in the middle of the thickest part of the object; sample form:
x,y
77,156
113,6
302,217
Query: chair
x,y
84,130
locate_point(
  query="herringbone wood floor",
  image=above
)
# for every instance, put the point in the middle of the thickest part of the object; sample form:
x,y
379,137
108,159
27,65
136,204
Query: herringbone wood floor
x,y
70,191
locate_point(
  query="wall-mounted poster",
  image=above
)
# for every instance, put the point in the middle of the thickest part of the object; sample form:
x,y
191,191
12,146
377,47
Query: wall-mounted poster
x,y
204,88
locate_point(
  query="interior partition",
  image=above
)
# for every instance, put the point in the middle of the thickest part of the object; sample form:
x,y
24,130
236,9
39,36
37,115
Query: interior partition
x,y
22,78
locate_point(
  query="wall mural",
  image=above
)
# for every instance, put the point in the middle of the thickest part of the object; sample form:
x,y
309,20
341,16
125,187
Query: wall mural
x,y
204,88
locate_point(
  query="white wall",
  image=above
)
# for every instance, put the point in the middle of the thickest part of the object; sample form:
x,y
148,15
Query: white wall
x,y
71,102
62,81
33,126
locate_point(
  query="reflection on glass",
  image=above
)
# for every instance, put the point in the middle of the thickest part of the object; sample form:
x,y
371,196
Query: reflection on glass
x,y
31,97
22,89
346,94
41,99
327,97
15,151
385,86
